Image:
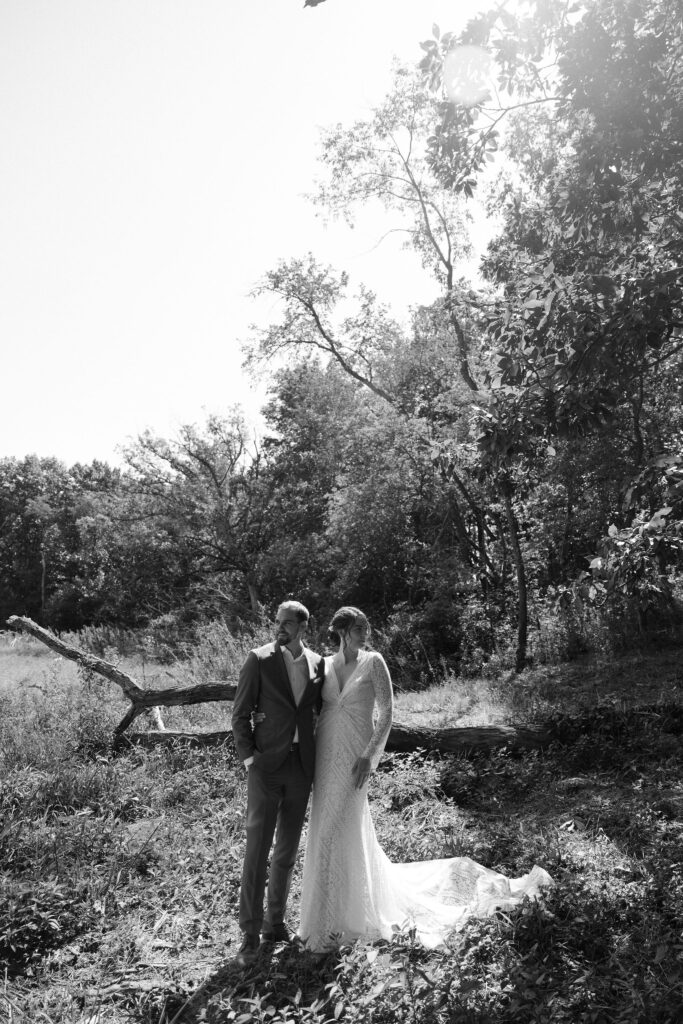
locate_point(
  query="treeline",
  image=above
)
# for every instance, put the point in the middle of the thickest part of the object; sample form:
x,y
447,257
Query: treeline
x,y
499,478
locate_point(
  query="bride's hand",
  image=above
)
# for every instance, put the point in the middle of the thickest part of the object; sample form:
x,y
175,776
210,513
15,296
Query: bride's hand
x,y
361,771
256,718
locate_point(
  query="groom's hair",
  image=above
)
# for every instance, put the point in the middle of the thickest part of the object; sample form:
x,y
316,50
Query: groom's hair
x,y
299,609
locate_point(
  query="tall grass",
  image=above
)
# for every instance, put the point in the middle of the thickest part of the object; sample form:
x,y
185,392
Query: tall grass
x,y
119,874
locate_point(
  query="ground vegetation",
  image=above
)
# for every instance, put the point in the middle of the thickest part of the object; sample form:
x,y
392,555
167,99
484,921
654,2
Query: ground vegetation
x,y
120,871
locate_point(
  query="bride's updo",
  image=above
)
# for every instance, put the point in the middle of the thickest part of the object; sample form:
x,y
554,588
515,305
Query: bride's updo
x,y
344,618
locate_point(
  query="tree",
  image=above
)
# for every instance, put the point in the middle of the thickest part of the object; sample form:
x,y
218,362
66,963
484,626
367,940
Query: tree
x,y
361,512
590,251
589,257
311,298
38,535
204,493
312,417
383,160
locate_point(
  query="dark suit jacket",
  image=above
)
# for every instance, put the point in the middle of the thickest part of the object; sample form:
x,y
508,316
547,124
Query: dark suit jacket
x,y
264,686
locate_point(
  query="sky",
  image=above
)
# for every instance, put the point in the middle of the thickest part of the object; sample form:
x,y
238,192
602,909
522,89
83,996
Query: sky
x,y
154,164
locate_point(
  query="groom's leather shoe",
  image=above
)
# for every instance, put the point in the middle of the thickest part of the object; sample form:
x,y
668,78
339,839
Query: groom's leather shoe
x,y
276,933
248,950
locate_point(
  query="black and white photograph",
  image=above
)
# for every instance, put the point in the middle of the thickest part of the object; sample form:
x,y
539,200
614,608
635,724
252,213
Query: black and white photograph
x,y
341,512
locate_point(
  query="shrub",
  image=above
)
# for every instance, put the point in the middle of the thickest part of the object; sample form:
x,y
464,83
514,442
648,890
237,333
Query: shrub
x,y
218,653
35,917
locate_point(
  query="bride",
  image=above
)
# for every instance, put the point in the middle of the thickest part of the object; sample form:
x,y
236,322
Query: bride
x,y
350,888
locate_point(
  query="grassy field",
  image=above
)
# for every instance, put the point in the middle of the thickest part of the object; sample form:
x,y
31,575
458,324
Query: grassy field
x,y
120,873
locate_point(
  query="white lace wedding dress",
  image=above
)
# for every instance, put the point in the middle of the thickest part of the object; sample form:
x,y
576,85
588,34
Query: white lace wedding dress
x,y
350,888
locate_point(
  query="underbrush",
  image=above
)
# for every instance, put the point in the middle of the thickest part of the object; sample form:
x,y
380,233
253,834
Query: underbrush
x,y
208,652
119,875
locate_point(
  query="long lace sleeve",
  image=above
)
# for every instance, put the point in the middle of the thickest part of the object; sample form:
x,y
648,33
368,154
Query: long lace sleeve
x,y
384,705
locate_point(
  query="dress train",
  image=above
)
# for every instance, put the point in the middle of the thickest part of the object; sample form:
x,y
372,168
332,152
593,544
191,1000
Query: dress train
x,y
350,887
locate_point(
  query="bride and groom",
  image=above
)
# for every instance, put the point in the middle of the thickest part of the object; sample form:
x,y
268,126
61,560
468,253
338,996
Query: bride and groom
x,y
302,721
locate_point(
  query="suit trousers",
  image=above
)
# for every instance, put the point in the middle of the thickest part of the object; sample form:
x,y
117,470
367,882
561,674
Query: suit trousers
x,y
276,805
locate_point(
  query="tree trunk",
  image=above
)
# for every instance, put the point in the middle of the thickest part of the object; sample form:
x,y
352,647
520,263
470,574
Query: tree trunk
x,y
637,408
401,739
565,549
43,578
522,603
253,598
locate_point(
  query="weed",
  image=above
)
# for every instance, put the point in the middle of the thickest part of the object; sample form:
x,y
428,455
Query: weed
x,y
120,873
34,917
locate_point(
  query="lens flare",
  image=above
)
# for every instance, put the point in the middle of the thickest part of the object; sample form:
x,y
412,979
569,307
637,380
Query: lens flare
x,y
467,75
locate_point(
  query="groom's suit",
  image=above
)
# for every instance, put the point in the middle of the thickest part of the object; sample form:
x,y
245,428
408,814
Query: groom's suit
x,y
280,774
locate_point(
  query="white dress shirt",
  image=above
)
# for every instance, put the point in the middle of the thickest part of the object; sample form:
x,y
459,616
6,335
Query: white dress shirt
x,y
297,670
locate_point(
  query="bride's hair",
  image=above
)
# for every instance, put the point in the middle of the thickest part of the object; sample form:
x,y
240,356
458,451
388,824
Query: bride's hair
x,y
346,617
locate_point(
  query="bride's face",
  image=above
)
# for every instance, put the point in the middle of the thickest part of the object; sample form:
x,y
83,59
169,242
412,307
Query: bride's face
x,y
356,636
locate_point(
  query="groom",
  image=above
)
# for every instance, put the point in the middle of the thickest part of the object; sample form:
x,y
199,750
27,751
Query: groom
x,y
282,683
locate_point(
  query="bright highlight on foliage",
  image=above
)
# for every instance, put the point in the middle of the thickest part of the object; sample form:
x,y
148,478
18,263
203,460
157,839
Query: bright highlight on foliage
x,y
467,75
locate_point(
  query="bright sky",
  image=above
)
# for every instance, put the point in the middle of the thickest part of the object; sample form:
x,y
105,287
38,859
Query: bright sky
x,y
153,163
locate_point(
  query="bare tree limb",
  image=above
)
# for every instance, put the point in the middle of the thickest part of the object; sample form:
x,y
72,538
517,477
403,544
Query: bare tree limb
x,y
131,689
401,737
141,700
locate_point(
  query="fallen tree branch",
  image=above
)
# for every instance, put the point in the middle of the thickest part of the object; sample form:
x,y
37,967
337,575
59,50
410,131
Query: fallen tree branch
x,y
141,700
90,661
401,737
468,738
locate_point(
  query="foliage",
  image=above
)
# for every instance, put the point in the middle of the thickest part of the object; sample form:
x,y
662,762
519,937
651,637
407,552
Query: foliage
x,y
494,477
128,867
34,918
204,491
588,258
636,574
40,505
597,293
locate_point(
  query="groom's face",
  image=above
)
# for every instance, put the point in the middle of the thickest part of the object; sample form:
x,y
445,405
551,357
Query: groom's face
x,y
288,629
